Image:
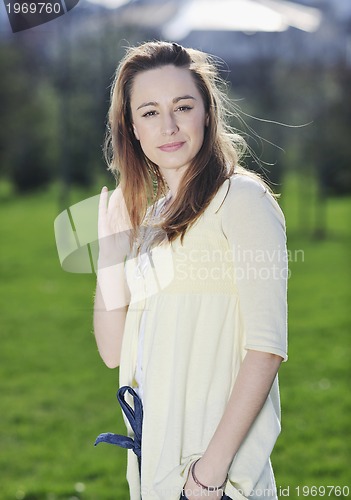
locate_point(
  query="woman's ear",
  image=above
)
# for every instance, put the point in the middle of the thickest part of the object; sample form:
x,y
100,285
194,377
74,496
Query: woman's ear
x,y
207,121
135,132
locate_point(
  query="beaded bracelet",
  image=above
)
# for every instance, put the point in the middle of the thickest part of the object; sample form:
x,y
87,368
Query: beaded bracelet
x,y
207,488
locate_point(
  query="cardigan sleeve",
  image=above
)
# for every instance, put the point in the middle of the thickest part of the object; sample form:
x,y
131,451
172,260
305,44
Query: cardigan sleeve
x,y
254,226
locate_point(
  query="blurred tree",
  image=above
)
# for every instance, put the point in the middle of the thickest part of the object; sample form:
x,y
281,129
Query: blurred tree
x,y
257,111
321,97
334,125
27,121
86,118
12,92
85,64
35,157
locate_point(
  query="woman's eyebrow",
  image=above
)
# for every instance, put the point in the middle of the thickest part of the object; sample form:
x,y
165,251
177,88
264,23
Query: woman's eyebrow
x,y
150,103
175,100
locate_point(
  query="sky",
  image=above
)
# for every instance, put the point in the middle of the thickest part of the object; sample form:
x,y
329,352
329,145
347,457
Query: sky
x,y
243,15
110,3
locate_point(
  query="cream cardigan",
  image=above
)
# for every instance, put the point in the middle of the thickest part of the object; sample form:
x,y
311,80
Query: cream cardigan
x,y
208,300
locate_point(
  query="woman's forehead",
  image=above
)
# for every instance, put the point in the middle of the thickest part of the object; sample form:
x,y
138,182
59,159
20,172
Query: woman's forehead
x,y
164,81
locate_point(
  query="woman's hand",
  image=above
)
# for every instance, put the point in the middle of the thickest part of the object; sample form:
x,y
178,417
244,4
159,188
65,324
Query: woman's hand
x,y
114,245
206,476
113,228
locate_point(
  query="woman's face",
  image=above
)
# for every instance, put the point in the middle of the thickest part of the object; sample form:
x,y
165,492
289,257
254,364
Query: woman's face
x,y
169,117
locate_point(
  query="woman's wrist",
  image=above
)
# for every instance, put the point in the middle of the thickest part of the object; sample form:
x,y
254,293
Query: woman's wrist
x,y
210,472
206,486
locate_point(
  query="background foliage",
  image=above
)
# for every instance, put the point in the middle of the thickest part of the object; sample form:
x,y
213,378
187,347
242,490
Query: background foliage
x,y
56,101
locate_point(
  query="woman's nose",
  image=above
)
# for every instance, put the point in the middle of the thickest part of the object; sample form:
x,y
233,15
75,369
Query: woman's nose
x,y
169,125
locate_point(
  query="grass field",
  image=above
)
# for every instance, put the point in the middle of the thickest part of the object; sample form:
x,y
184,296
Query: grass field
x,y
56,395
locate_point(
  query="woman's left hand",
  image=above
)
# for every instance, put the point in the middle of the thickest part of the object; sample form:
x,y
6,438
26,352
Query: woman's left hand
x,y
206,477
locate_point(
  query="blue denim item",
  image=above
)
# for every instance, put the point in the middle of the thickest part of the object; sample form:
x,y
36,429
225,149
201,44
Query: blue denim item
x,y
135,418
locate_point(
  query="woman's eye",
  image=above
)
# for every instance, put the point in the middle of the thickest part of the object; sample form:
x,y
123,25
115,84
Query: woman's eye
x,y
149,113
184,108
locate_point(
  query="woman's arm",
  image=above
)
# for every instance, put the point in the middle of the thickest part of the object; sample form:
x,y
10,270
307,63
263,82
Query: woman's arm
x,y
112,294
109,323
255,228
248,396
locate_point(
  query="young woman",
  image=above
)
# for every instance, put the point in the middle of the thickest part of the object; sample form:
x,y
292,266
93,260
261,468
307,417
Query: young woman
x,y
191,295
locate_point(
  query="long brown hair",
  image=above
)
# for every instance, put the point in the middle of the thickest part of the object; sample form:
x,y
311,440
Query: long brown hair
x,y
140,178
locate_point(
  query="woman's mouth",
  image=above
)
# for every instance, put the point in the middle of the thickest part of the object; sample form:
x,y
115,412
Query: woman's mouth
x,y
171,147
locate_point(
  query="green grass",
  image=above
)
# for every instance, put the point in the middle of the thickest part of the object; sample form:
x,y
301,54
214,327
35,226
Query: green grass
x,y
314,448
57,396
